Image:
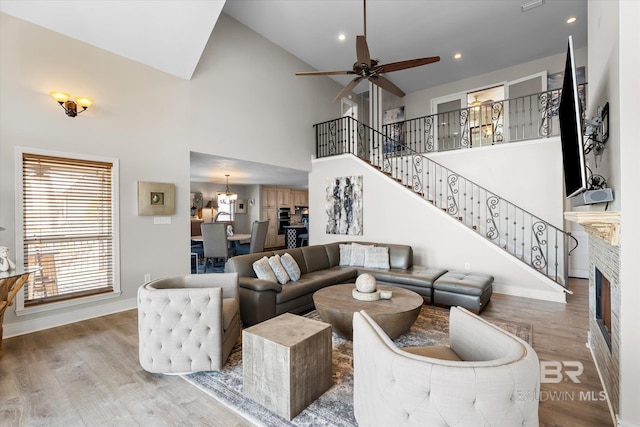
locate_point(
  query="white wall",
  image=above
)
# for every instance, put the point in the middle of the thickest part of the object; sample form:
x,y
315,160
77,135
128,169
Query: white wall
x,y
614,45
253,105
394,214
528,174
604,68
629,206
150,121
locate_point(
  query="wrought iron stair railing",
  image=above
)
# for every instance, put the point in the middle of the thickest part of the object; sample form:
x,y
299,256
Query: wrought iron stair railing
x,y
496,122
522,234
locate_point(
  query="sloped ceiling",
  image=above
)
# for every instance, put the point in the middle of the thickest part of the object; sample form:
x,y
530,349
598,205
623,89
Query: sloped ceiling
x,y
490,34
169,35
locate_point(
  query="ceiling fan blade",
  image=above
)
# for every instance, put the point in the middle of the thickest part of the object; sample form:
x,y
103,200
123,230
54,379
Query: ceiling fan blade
x,y
348,88
323,73
386,85
362,51
403,65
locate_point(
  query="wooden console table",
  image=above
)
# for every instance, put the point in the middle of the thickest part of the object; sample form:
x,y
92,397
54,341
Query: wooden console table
x,y
10,283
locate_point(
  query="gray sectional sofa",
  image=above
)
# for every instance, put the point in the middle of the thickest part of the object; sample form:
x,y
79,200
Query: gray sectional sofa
x,y
320,267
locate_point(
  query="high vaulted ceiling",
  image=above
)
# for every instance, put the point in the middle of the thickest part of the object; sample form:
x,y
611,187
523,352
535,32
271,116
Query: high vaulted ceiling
x,y
490,34
171,35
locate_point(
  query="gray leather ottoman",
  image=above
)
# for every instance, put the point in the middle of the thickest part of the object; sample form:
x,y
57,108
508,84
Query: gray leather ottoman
x,y
469,290
418,279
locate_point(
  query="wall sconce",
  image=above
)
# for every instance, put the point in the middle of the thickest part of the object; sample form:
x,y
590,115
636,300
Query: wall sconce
x,y
71,107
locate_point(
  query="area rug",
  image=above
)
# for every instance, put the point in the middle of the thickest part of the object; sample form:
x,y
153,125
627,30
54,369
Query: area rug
x,y
335,407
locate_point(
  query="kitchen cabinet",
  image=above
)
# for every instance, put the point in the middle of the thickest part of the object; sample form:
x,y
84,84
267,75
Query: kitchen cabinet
x,y
269,197
272,230
272,198
284,197
300,197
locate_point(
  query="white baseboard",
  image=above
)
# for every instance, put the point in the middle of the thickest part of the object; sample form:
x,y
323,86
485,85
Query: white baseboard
x,y
622,423
580,274
52,320
552,296
613,415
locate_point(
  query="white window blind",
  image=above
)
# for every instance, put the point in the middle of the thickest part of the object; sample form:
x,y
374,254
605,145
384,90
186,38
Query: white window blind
x,y
67,227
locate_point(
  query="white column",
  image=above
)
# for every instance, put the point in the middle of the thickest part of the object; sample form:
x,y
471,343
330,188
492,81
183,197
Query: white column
x,y
375,107
375,119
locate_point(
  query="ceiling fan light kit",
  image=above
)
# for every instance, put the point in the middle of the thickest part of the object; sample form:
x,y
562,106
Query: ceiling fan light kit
x,y
366,68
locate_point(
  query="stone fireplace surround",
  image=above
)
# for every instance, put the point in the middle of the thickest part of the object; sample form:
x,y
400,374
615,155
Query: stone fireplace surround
x,y
604,254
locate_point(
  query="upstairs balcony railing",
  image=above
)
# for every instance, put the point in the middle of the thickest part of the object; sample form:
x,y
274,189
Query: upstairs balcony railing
x,y
529,238
510,120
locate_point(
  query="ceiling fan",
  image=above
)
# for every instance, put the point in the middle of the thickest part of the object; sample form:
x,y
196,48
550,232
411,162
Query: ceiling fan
x,y
367,68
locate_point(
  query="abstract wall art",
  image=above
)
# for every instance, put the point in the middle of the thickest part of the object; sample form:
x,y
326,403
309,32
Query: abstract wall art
x,y
344,205
156,198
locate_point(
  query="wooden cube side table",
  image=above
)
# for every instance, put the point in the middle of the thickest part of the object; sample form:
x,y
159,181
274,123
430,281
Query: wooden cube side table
x,y
286,363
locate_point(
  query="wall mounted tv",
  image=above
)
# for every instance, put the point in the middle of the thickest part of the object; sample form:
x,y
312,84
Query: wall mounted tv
x,y
570,115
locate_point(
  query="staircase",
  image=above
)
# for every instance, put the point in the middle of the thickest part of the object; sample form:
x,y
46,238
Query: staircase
x,y
530,239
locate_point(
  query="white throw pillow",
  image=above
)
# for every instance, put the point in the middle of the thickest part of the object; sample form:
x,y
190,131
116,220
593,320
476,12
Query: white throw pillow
x,y
263,270
278,269
357,254
376,257
345,254
291,266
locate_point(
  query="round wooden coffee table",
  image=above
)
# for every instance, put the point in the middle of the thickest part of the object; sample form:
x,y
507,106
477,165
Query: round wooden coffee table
x,y
336,306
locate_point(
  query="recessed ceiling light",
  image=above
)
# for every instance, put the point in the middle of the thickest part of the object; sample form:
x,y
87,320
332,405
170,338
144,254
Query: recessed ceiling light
x,y
342,37
571,20
457,55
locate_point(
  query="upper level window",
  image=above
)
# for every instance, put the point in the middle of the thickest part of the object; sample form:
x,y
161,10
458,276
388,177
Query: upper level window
x,y
68,227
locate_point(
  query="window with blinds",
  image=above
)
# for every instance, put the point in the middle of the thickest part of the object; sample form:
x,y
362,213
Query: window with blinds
x,y
68,227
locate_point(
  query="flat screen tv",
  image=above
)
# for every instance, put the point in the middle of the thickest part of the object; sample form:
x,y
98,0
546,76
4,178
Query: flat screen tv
x,y
570,115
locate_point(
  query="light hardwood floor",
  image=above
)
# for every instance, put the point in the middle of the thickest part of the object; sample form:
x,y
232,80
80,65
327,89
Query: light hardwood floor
x,y
87,373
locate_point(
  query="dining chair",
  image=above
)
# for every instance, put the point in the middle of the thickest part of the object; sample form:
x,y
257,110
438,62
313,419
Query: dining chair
x,y
258,237
214,241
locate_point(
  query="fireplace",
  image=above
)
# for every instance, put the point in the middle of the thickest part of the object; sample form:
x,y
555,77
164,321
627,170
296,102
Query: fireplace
x,y
604,314
603,305
604,296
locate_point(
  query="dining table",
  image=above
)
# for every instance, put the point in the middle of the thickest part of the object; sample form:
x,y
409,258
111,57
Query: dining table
x,y
235,238
233,242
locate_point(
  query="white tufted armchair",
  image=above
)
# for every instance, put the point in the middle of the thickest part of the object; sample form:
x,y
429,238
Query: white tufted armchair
x,y
188,323
486,377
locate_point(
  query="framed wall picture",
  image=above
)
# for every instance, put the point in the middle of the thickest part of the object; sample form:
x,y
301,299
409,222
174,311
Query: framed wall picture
x,y
156,198
241,206
393,121
196,204
344,205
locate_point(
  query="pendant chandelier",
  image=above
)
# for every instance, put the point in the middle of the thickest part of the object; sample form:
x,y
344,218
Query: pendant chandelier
x,y
228,196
